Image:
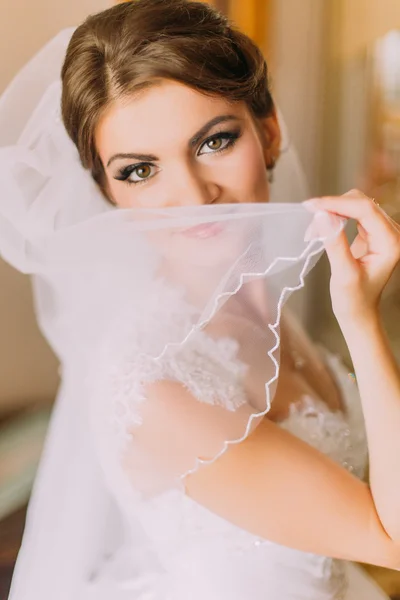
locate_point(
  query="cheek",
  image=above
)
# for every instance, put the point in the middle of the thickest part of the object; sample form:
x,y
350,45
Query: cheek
x,y
149,195
128,196
248,177
119,192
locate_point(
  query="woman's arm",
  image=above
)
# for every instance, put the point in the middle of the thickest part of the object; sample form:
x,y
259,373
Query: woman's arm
x,y
283,490
272,484
359,274
379,384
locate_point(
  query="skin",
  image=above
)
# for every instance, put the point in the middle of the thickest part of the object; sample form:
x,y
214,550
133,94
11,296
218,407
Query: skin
x,y
198,174
340,516
203,175
161,121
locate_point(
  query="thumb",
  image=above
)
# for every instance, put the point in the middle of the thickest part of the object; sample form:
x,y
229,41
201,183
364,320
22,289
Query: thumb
x,y
326,226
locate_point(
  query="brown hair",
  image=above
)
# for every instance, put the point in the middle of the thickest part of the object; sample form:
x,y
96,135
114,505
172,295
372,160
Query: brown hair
x,y
119,51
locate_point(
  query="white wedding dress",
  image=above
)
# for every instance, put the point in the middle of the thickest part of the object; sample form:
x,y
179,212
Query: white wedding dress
x,y
81,542
196,555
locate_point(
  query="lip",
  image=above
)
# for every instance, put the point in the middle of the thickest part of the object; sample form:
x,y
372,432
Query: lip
x,y
204,231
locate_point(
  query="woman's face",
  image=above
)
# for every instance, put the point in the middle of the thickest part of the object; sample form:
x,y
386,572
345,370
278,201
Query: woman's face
x,y
172,146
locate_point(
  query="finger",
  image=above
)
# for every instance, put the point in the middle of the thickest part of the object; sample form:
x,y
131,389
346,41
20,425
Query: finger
x,y
336,246
361,231
359,247
356,194
362,209
340,257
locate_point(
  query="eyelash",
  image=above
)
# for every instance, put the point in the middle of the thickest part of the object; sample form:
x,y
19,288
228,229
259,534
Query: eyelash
x,y
231,136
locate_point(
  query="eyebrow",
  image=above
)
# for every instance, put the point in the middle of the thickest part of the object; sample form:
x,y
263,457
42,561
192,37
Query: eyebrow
x,y
199,135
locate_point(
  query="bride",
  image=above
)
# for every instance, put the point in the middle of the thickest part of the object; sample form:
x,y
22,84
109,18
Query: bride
x,y
144,489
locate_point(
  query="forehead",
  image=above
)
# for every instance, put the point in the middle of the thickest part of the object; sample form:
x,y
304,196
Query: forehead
x,y
163,112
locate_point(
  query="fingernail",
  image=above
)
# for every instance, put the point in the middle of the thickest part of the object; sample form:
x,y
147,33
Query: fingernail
x,y
311,204
327,223
322,226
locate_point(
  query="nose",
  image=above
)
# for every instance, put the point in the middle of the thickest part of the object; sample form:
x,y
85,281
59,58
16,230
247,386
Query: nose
x,y
192,188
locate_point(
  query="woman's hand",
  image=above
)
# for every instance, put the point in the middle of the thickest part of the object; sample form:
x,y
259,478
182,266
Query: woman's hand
x,y
359,272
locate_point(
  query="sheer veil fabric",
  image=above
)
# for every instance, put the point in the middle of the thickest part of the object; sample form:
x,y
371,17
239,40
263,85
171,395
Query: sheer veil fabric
x,y
139,292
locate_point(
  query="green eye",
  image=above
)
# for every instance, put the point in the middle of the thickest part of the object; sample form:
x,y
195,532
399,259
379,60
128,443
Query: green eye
x,y
137,173
143,172
218,143
215,144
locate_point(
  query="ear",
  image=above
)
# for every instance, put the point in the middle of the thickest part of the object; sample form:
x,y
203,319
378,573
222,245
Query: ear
x,y
271,138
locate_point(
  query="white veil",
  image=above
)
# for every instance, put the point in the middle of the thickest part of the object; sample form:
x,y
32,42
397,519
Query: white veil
x,y
78,248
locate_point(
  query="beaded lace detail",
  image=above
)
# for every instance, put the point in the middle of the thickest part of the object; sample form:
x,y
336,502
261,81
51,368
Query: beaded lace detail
x,y
211,370
338,435
208,367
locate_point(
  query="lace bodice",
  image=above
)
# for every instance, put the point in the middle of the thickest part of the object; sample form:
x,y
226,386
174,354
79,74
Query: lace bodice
x,y
195,534
196,548
338,435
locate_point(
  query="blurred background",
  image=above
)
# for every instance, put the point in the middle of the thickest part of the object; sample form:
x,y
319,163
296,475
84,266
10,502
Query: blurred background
x,y
335,74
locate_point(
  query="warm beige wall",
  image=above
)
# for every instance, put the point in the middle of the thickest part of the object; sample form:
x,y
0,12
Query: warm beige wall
x,y
297,60
25,26
354,26
296,55
27,367
365,20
